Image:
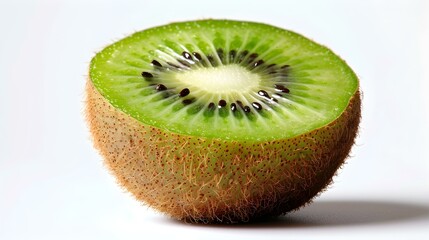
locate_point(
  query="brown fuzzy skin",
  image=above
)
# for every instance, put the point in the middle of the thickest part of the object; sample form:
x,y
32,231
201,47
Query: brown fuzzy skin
x,y
214,180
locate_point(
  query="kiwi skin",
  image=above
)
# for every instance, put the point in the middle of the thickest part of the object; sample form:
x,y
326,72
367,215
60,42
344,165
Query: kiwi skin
x,y
208,180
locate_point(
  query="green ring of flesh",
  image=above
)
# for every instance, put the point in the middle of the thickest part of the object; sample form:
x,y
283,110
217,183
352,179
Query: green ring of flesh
x,y
321,84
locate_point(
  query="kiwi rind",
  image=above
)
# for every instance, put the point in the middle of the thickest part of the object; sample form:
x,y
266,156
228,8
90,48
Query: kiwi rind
x,y
196,179
206,179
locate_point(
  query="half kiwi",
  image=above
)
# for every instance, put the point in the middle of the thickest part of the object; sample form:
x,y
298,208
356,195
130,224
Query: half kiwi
x,y
222,121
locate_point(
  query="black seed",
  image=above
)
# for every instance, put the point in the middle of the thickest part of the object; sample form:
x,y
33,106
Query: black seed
x,y
210,111
173,65
147,75
187,55
184,92
285,66
281,88
271,65
232,55
211,60
211,106
252,57
272,72
220,54
246,109
263,93
200,59
233,107
242,55
258,63
257,106
222,103
278,94
161,87
188,101
156,63
197,56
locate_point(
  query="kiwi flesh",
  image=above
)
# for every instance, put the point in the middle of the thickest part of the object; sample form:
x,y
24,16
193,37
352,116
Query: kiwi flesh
x,y
220,120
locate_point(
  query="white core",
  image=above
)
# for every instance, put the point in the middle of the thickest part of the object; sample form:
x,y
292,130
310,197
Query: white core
x,y
222,79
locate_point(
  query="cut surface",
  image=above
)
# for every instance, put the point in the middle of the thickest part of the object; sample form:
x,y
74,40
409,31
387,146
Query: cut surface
x,y
224,79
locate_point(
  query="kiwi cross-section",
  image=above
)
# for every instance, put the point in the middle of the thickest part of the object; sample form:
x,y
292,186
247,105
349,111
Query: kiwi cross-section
x,y
222,121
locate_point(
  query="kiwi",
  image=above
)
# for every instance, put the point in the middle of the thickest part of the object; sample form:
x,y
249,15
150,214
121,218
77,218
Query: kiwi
x,y
222,121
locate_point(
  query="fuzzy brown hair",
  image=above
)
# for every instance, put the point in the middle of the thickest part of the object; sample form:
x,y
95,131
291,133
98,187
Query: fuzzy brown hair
x,y
213,180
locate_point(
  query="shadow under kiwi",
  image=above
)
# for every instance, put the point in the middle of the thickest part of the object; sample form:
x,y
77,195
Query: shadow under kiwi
x,y
334,214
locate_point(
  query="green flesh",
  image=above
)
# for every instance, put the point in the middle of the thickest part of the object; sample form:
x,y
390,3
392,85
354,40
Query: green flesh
x,y
319,85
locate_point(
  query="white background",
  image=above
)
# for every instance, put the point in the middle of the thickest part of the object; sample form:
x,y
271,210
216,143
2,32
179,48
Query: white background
x,y
53,184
